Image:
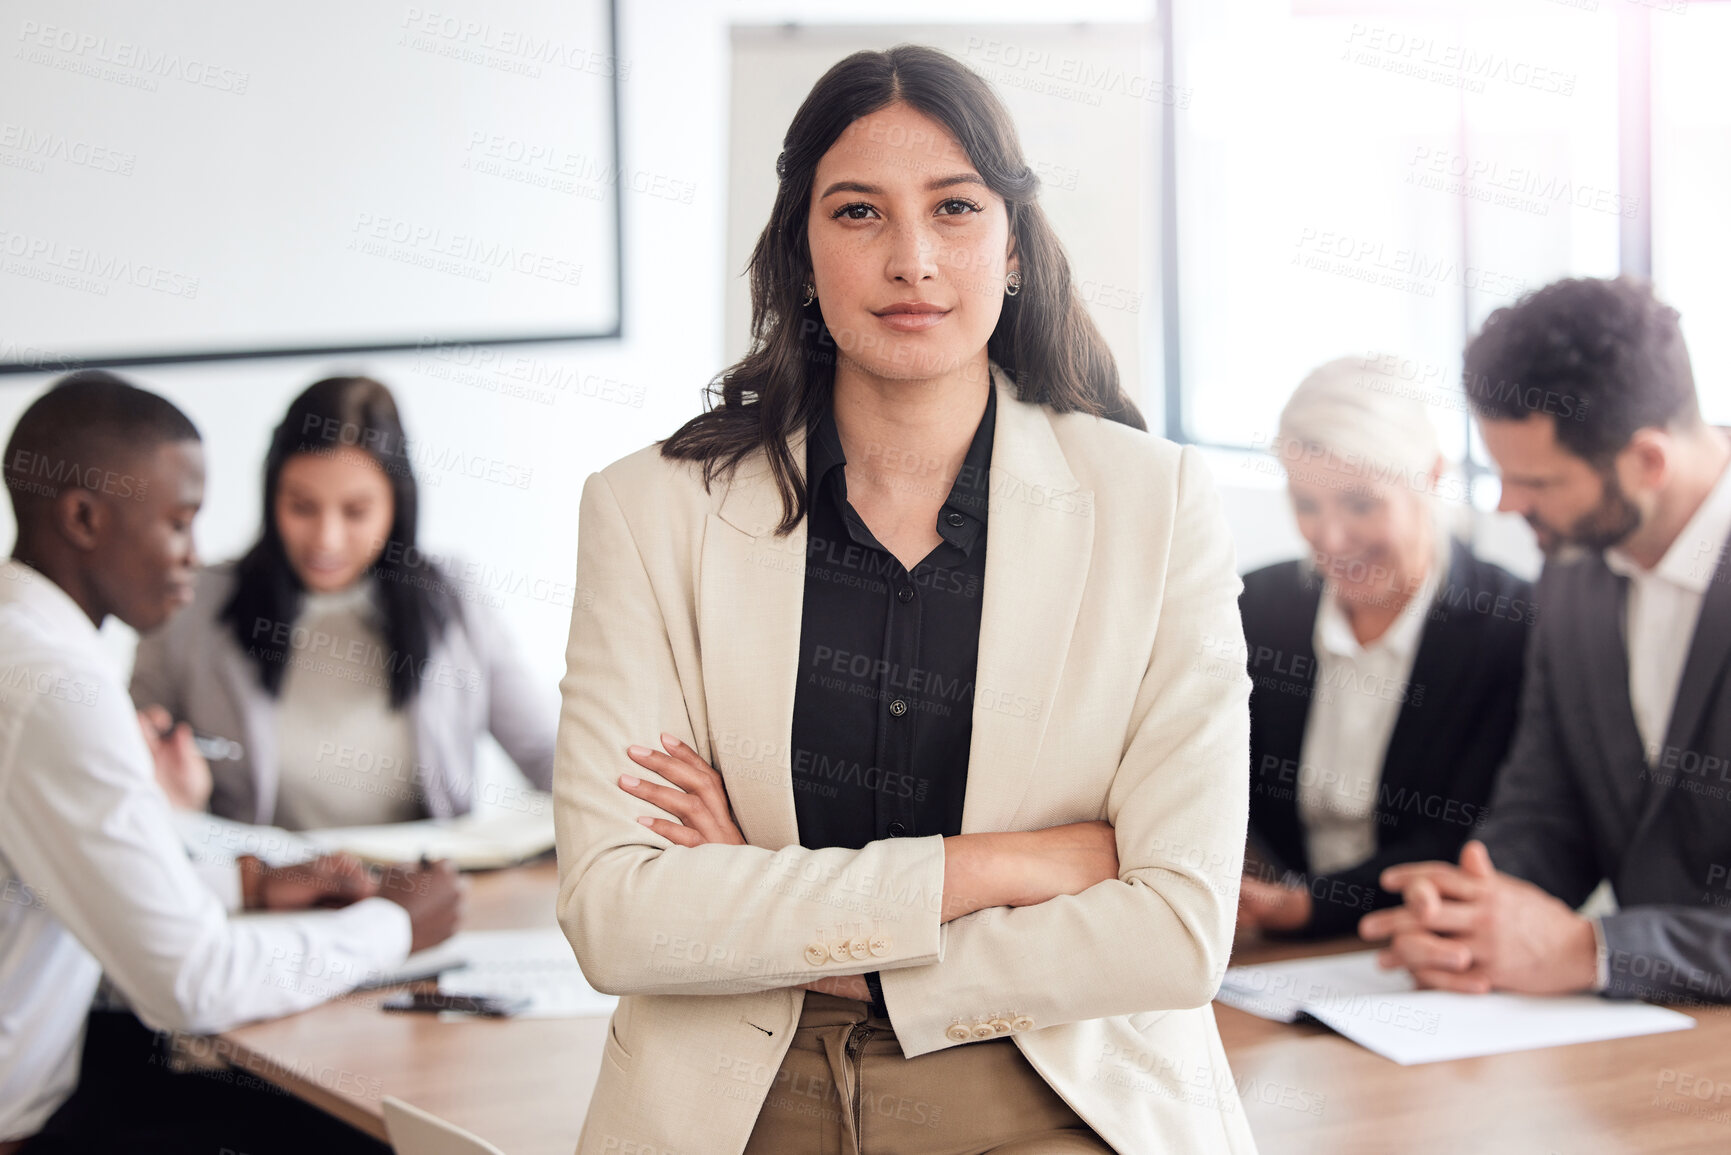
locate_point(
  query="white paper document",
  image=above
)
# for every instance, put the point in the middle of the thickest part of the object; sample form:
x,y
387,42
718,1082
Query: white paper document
x,y
536,964
1383,1011
1279,991
474,841
425,964
209,838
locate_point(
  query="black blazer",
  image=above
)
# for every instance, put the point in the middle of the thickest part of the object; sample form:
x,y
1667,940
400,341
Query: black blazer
x,y
1455,724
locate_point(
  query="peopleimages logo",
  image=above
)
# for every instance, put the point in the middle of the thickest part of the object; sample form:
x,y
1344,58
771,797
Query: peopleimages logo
x,y
435,248
86,52
38,146
92,269
471,40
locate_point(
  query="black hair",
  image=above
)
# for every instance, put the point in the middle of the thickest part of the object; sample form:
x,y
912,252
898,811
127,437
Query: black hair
x,y
1601,357
410,592
86,427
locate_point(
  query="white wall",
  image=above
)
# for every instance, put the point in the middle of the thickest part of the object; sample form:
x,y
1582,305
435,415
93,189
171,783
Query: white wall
x,y
614,396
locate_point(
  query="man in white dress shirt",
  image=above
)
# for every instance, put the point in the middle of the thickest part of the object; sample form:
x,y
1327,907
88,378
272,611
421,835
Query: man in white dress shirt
x,y
1621,765
105,480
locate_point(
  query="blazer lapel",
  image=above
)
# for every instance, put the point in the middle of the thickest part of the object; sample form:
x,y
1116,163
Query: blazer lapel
x,y
1604,658
1445,652
256,711
1284,633
751,594
1040,538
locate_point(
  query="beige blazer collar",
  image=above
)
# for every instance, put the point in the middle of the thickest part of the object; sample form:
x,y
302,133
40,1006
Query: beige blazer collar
x,y
1040,534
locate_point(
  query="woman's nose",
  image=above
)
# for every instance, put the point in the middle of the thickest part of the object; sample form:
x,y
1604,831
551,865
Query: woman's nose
x,y
330,535
1332,537
911,256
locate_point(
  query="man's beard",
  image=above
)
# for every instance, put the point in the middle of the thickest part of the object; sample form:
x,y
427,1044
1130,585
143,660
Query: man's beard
x,y
1600,528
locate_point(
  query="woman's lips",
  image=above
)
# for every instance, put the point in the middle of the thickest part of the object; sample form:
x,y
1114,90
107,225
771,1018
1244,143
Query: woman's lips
x,y
912,322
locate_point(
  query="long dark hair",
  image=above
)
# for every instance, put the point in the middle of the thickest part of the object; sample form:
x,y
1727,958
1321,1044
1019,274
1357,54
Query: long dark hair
x,y
339,412
1044,340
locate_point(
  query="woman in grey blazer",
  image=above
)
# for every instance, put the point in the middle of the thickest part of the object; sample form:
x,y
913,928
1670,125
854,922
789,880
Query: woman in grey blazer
x,y
354,675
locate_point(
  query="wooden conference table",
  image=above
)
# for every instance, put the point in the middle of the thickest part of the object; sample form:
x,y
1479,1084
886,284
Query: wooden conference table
x,y
525,1085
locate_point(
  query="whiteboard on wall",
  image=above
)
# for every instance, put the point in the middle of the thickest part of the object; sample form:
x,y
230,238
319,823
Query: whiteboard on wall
x,y
182,181
1086,101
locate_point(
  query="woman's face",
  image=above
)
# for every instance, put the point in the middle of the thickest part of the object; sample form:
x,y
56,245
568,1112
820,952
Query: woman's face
x,y
1372,539
333,512
909,248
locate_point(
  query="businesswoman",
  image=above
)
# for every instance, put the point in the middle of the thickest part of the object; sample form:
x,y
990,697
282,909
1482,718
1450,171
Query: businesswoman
x,y
1386,665
891,793
351,671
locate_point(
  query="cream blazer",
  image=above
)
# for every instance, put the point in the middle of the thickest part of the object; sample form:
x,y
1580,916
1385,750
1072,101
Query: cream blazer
x,y
1110,593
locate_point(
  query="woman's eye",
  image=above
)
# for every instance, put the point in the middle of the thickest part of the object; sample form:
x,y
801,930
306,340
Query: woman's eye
x,y
853,212
957,206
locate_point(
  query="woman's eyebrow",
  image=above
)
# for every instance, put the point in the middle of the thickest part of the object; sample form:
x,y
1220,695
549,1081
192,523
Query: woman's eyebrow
x,y
932,185
852,186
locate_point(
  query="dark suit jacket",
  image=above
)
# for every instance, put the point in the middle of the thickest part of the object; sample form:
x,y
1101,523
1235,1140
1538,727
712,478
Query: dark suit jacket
x,y
1578,801
1456,721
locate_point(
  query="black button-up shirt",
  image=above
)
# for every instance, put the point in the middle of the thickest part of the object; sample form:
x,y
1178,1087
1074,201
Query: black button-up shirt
x,y
883,713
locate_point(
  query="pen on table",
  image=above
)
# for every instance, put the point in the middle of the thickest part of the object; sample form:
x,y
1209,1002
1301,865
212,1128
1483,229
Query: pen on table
x,y
213,747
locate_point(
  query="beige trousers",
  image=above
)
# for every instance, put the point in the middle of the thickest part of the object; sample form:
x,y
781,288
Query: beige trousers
x,y
846,1089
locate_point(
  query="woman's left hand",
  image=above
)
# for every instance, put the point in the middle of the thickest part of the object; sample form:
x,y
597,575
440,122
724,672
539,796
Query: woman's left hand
x,y
1272,906
699,802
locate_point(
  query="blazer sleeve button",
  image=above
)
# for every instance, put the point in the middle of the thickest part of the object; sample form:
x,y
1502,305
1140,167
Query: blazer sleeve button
x,y
858,948
958,1033
817,954
1001,1026
1021,1023
879,945
983,1030
838,951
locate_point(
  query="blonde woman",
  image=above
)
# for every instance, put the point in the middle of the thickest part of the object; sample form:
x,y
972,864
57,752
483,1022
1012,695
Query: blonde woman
x,y
1387,664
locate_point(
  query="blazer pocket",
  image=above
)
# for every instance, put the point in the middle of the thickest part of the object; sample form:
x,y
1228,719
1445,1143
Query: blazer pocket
x,y
619,1022
615,1051
1142,1020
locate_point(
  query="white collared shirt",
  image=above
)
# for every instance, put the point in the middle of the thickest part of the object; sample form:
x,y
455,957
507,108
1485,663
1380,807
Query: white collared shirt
x,y
1663,607
94,878
1356,700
